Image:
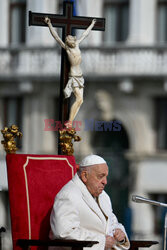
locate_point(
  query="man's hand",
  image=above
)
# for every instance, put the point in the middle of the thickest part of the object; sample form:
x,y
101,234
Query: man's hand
x,y
119,235
47,20
110,241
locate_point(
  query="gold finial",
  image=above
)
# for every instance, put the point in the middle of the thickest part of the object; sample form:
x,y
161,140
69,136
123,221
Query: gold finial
x,y
9,134
66,137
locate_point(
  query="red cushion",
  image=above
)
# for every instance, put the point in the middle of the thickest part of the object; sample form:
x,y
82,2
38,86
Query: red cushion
x,y
34,181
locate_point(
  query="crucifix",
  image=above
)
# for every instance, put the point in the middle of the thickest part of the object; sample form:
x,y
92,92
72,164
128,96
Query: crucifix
x,y
67,22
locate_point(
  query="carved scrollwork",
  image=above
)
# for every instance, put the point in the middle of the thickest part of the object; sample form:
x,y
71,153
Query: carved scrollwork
x,y
67,136
9,135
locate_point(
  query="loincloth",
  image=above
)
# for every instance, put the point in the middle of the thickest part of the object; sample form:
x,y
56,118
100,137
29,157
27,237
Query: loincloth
x,y
73,82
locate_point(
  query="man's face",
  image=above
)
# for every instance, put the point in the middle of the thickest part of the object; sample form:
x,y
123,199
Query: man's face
x,y
95,178
71,41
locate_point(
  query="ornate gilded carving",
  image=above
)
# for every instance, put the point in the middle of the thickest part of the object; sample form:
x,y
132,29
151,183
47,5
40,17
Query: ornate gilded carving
x,y
9,135
66,137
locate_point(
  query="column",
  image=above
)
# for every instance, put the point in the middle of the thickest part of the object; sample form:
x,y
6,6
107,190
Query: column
x,y
4,22
1,122
142,22
49,142
40,35
143,216
88,8
32,132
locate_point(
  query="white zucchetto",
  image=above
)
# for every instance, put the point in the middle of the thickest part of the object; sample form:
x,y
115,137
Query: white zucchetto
x,y
91,160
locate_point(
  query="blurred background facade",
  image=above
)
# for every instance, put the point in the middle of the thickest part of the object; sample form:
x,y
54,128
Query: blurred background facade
x,y
125,71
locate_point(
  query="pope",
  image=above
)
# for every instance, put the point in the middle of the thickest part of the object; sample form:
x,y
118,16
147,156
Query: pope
x,y
82,209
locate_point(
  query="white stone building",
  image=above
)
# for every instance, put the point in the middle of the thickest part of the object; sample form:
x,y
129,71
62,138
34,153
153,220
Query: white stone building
x,y
125,70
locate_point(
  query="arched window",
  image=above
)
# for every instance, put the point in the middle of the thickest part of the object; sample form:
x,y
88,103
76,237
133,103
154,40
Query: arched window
x,y
17,21
116,13
159,212
112,145
162,21
161,122
13,113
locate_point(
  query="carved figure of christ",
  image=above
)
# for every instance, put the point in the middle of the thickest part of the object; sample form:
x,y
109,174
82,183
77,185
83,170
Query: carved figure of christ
x,y
75,82
67,22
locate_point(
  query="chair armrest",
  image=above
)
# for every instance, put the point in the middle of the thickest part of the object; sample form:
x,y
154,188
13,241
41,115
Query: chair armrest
x,y
25,243
135,244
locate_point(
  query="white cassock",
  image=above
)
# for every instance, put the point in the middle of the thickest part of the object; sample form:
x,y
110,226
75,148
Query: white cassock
x,y
77,215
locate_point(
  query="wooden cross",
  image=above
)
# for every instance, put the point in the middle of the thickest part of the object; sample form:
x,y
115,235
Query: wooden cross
x,y
67,22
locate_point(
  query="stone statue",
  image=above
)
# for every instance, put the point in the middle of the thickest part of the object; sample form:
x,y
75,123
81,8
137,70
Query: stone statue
x,y
75,81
